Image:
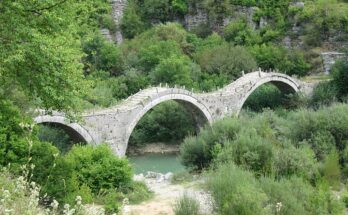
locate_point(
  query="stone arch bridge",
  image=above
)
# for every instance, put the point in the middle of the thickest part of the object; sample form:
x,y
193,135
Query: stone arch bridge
x,y
115,125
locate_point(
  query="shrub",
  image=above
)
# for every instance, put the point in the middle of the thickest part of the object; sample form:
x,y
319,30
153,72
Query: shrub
x,y
274,57
239,33
249,151
175,70
340,78
226,59
194,154
110,199
186,205
325,93
236,191
99,168
331,170
138,193
150,56
55,135
131,23
291,161
102,55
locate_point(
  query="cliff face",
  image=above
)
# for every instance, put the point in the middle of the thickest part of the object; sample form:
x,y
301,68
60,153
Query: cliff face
x,y
117,12
197,17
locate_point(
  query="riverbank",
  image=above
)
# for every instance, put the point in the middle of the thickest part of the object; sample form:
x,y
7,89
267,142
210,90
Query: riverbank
x,y
154,148
165,196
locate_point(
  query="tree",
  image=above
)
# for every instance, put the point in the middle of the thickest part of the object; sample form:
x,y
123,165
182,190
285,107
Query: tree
x,y
131,23
40,48
340,76
175,70
226,59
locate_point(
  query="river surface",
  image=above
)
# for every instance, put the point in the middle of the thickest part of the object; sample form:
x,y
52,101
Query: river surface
x,y
161,163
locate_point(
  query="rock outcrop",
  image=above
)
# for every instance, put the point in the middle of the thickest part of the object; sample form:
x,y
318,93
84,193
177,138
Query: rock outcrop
x,y
118,7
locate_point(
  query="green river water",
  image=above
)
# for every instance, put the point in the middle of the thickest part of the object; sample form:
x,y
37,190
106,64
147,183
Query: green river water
x,y
161,163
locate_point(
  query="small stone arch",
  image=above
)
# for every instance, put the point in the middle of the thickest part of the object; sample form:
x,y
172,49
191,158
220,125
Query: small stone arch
x,y
188,101
75,131
283,82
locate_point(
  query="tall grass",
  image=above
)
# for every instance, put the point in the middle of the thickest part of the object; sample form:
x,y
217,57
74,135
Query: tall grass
x,y
186,205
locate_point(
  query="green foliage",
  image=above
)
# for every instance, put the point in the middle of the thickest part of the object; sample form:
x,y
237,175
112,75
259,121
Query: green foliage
x,y
99,168
50,42
239,33
55,135
102,55
331,169
131,23
250,151
323,19
150,56
226,59
138,193
110,199
273,57
186,205
340,78
236,191
325,93
168,122
175,70
266,96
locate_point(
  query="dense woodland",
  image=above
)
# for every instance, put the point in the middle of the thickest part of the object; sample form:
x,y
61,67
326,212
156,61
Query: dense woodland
x,y
53,56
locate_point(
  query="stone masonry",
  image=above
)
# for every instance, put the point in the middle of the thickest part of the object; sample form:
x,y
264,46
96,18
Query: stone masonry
x,y
114,125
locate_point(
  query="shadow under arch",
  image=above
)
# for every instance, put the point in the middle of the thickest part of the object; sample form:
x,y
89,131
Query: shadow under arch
x,y
77,133
285,84
200,113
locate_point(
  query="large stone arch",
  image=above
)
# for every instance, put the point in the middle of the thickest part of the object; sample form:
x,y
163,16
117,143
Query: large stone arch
x,y
284,83
190,102
75,131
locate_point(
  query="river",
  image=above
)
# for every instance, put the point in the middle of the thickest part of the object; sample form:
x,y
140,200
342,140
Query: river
x,y
161,163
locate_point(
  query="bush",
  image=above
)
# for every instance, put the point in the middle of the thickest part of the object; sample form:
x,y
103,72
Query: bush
x,y
20,196
249,151
175,70
236,191
131,23
291,161
110,199
331,170
186,205
239,33
340,78
290,62
55,135
102,55
138,193
99,168
227,60
325,93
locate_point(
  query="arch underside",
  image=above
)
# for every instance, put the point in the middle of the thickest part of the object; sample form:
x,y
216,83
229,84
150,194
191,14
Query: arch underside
x,y
286,86
199,112
75,136
76,132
